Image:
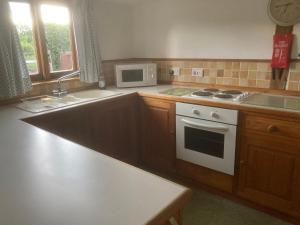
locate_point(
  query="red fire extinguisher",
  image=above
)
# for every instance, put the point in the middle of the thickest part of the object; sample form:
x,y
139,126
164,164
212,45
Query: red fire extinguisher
x,y
282,45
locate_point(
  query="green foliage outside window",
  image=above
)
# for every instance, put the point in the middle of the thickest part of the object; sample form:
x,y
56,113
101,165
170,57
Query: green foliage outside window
x,y
57,42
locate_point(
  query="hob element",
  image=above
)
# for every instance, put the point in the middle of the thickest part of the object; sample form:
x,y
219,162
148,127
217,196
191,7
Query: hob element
x,y
211,89
202,93
223,96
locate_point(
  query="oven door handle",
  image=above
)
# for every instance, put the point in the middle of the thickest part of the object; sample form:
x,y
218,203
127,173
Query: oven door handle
x,y
204,126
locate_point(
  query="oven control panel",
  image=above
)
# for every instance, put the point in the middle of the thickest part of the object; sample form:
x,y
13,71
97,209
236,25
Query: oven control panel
x,y
227,116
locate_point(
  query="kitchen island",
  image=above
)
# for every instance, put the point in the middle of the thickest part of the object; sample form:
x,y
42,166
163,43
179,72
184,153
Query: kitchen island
x,y
46,180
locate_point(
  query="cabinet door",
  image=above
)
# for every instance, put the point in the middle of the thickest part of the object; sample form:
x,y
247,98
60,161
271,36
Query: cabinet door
x,y
270,172
113,128
158,134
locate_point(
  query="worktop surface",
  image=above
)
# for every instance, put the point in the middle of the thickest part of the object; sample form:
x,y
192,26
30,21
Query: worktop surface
x,y
47,180
257,101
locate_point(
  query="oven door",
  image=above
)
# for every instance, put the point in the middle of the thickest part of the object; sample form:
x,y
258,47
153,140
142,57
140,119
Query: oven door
x,y
206,143
131,75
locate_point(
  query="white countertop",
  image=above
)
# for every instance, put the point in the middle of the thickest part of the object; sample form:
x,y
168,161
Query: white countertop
x,y
47,180
259,100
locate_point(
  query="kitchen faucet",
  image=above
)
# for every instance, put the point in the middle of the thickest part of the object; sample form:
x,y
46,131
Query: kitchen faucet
x,y
60,91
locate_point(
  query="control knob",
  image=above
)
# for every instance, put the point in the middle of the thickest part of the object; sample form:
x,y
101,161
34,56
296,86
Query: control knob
x,y
214,115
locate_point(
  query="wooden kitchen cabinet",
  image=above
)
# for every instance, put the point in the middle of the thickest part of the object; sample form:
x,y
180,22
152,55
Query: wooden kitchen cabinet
x,y
269,163
70,124
108,126
157,132
113,128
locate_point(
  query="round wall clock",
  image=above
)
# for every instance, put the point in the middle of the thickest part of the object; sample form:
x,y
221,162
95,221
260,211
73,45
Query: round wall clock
x,y
284,12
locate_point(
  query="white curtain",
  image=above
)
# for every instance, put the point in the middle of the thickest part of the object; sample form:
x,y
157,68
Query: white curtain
x,y
87,41
14,75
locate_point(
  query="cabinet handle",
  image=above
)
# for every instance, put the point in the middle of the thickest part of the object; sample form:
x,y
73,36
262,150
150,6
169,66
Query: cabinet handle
x,y
272,128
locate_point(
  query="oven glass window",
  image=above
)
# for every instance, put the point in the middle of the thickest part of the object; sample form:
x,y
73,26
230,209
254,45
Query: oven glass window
x,y
203,141
132,75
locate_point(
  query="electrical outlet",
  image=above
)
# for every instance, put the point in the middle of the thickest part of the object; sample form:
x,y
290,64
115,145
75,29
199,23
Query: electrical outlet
x,y
197,72
175,71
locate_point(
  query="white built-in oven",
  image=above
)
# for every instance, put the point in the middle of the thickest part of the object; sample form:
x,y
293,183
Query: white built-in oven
x,y
206,136
136,75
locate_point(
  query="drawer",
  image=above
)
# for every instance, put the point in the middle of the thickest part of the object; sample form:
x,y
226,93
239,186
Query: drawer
x,y
275,127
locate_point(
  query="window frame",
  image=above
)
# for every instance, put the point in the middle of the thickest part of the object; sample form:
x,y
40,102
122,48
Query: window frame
x,y
44,73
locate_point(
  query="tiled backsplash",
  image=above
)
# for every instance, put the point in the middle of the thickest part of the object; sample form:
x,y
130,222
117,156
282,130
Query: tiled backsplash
x,y
234,73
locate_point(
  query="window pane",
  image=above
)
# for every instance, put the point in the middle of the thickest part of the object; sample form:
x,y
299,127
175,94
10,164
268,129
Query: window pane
x,y
21,15
56,20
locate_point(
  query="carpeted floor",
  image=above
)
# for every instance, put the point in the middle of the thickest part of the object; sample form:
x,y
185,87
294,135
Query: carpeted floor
x,y
209,209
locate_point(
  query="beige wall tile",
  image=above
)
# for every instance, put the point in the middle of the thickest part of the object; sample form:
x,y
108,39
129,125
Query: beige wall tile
x,y
252,66
295,66
212,65
227,81
228,65
205,64
244,66
243,74
263,83
197,64
213,72
243,82
235,65
186,71
220,65
294,76
264,67
293,86
235,74
263,76
206,72
212,80
235,81
252,83
227,73
252,75
220,73
219,80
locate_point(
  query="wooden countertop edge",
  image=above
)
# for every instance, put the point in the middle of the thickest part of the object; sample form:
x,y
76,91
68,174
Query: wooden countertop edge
x,y
247,108
177,205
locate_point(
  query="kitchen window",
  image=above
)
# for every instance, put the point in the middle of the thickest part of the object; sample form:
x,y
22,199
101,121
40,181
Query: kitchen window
x,y
47,38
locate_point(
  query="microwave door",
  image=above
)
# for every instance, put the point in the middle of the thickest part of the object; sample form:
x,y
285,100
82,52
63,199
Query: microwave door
x,y
132,75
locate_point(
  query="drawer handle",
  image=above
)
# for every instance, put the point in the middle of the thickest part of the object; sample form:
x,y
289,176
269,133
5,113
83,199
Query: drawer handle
x,y
272,128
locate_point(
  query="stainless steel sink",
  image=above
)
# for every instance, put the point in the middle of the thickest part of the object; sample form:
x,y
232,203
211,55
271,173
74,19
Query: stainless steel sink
x,y
47,102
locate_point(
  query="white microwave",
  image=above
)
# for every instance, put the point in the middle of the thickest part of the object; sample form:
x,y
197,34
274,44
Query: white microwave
x,y
136,75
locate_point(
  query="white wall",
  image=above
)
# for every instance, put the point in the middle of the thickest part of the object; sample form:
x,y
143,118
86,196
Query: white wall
x,y
114,26
234,29
203,29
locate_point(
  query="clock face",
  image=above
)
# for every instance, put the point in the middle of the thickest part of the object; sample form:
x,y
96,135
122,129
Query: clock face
x,y
284,12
